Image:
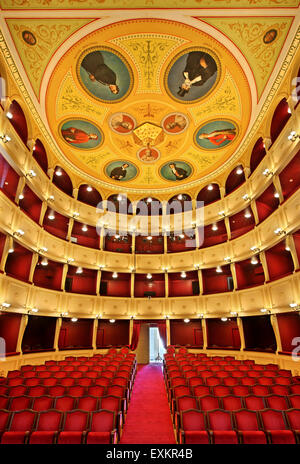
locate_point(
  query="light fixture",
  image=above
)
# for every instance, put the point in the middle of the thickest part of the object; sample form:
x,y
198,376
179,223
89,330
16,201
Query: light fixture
x,y
293,305
21,196
119,197
79,270
149,276
183,275
166,316
263,310
51,198
247,214
254,260
112,321
255,249
227,259
289,110
239,171
233,313
246,197
279,231
197,266
132,316
179,196
181,235
64,314
267,172
293,136
214,227
19,233
222,213
5,138
115,275
84,228
44,262
224,319
149,200
210,187
89,188
51,216
276,195
165,269
70,260
75,214
287,247
6,305
42,249
34,310
9,115
11,250
74,319
219,269
31,173
186,320
117,236
149,237
200,315
58,172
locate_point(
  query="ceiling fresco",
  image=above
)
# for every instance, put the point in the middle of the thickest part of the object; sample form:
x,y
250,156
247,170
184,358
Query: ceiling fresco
x,y
148,108
148,103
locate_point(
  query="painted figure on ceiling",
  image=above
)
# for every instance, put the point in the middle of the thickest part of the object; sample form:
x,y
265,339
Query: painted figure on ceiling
x,y
119,172
98,71
200,66
218,137
73,135
179,173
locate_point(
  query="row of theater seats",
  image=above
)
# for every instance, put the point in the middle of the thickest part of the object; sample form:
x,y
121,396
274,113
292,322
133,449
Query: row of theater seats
x,y
77,400
217,395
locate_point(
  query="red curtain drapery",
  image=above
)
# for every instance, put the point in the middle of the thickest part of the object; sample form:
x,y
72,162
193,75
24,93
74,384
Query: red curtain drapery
x,y
135,335
162,328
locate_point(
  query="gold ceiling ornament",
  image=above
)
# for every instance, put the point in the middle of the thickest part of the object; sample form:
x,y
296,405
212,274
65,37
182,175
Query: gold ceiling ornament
x,y
148,134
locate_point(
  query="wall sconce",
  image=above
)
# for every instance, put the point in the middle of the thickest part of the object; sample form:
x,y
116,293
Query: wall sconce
x,y
227,259
74,319
31,174
197,266
255,249
70,260
5,305
50,198
112,321
5,138
222,213
233,313
246,197
293,136
295,306
267,172
279,231
224,319
75,215
265,311
18,233
42,249
186,320
201,316
9,115
64,314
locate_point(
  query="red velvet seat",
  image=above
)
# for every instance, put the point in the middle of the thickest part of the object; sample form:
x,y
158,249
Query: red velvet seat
x,y
67,382
20,402
57,390
247,424
96,390
281,390
76,390
85,382
200,390
4,400
5,417
47,427
274,424
15,381
294,400
38,390
231,403
293,419
20,390
88,403
103,428
12,374
208,403
295,389
265,380
102,381
248,381
65,403
74,428
193,428
231,381
213,381
21,424
277,402
194,381
261,390
254,403
33,381
221,390
221,427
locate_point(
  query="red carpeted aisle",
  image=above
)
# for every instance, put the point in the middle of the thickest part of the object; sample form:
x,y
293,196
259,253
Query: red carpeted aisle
x,y
148,419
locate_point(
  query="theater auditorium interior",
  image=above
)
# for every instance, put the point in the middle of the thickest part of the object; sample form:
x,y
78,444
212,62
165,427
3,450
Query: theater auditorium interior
x,y
149,222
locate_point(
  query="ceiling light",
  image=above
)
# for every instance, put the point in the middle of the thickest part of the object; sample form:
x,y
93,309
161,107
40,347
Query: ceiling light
x,y
254,260
119,197
293,305
79,270
112,321
89,188
6,305
239,171
9,115
245,197
21,196
115,275
224,319
74,319
149,276
183,274
84,228
200,315
263,310
58,172
5,138
276,195
197,266
149,200
247,214
219,269
214,227
34,310
186,320
179,196
51,216
44,262
210,187
181,235
149,237
11,250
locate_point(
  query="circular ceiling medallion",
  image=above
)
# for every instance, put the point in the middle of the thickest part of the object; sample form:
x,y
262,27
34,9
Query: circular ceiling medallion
x,y
148,155
81,133
121,170
175,123
216,134
176,170
122,123
192,75
105,74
